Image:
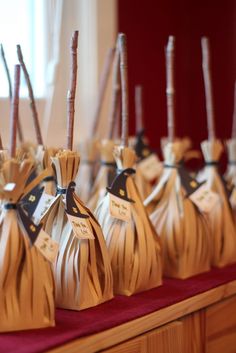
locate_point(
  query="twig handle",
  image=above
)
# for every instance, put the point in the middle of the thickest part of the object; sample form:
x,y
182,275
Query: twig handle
x,y
206,67
71,91
102,88
10,90
7,71
124,89
234,114
14,111
1,145
115,93
170,88
139,108
31,96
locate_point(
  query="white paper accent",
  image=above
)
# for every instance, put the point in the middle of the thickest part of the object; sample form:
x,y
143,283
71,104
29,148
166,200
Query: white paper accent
x,y
81,227
204,198
45,202
151,167
9,187
119,208
47,246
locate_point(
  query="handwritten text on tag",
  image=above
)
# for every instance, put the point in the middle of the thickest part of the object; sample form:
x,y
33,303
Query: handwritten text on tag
x,y
119,208
81,228
204,198
150,167
47,246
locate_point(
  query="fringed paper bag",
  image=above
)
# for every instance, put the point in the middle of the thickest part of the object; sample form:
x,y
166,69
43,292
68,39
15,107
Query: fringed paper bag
x,y
230,175
183,229
105,175
223,234
26,280
82,270
133,245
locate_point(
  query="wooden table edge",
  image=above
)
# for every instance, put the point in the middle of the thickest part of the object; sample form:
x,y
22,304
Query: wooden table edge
x,y
133,328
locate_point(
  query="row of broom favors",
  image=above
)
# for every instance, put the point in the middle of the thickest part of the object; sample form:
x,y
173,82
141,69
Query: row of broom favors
x,y
71,240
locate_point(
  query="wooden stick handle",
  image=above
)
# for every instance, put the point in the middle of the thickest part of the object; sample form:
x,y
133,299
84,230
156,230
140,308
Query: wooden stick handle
x,y
139,108
19,128
124,89
31,96
115,93
206,67
1,145
234,114
7,71
71,91
14,111
170,88
102,88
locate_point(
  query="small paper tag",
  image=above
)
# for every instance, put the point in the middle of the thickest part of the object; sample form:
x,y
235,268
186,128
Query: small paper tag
x,y
150,167
119,208
232,198
9,187
45,202
47,246
204,198
81,227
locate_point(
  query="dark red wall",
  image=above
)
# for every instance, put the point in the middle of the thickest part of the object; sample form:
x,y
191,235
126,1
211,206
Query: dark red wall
x,y
147,25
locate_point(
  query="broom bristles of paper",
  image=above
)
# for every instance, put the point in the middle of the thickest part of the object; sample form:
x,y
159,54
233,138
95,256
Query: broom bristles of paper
x,y
83,273
101,181
82,270
223,234
183,230
26,281
134,247
230,174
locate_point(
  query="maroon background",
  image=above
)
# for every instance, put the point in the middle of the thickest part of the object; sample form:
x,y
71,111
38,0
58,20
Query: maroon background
x,y
147,25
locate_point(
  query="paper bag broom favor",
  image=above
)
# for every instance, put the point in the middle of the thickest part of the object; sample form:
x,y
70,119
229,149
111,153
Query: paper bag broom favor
x,y
132,242
26,280
223,235
230,175
182,228
82,271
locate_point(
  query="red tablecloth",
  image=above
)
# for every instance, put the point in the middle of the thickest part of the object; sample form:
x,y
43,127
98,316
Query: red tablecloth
x,y
71,324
